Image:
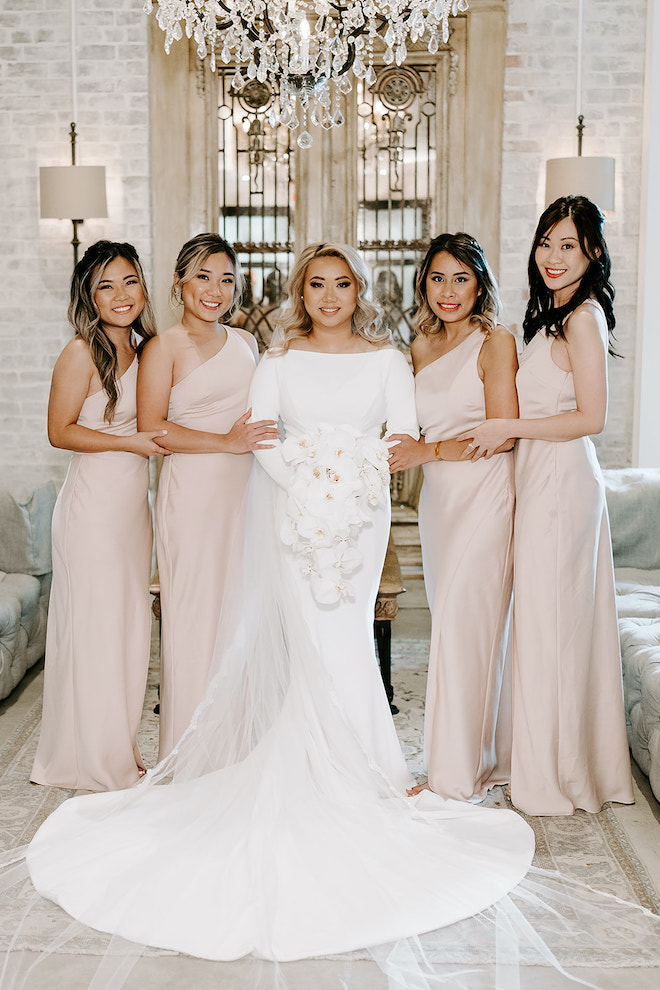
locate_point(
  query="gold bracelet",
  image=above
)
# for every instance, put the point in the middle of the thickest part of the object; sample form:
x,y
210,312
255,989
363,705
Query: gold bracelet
x,y
436,452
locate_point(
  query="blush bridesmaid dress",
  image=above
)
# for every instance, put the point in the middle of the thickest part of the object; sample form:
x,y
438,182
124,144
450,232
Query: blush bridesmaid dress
x,y
569,735
199,528
465,525
99,622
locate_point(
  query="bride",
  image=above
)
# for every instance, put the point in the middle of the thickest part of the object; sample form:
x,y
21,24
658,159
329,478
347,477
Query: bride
x,y
280,825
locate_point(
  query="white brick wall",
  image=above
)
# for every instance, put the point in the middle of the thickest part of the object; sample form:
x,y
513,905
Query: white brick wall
x,y
35,113
36,256
539,123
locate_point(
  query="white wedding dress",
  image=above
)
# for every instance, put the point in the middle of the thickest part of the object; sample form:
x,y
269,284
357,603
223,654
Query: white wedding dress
x,y
280,825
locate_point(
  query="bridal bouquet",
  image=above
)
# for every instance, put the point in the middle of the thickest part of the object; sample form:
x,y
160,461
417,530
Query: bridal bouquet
x,y
338,477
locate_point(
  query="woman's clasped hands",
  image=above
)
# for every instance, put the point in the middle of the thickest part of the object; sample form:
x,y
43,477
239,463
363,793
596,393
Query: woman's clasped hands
x,y
486,439
146,443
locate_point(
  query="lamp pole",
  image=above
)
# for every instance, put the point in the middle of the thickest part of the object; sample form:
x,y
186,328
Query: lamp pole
x,y
75,241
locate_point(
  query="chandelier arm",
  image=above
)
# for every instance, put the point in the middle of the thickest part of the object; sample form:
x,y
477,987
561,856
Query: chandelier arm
x,y
200,16
219,25
354,33
247,27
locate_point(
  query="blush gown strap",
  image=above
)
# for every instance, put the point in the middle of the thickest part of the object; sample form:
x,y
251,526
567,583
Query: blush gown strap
x,y
466,533
569,734
99,623
199,526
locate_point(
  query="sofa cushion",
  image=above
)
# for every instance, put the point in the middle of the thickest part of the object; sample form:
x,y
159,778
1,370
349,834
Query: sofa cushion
x,y
640,654
633,503
22,627
25,517
643,602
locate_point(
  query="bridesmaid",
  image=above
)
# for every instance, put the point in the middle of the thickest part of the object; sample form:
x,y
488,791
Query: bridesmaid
x,y
465,366
569,735
194,383
97,645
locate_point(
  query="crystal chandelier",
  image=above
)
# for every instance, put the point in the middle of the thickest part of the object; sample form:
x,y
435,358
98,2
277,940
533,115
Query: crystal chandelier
x,y
306,47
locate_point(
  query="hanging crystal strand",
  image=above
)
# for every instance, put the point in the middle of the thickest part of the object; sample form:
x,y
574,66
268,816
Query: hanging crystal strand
x,y
337,115
304,139
370,77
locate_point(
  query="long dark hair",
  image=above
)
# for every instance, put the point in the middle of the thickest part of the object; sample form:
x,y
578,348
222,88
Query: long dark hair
x,y
470,253
85,319
595,283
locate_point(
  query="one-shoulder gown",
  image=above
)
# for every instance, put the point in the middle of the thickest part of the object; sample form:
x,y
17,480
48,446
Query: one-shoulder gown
x,y
569,735
99,623
199,522
466,532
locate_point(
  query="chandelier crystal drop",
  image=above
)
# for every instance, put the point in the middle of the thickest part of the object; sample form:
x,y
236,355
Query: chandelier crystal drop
x,y
305,47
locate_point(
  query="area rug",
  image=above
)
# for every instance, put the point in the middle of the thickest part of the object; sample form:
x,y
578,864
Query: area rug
x,y
593,849
590,848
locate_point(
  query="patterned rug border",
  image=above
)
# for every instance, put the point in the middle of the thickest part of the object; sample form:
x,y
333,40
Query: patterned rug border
x,y
618,844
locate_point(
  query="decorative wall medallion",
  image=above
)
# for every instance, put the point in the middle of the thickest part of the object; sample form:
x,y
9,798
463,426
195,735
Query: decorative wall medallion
x,y
397,88
255,96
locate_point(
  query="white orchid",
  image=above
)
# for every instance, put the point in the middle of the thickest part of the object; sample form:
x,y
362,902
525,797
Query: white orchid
x,y
328,587
296,450
339,477
315,532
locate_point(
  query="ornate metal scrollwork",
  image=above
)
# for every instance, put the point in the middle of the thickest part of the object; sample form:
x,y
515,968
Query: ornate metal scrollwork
x,y
255,96
398,87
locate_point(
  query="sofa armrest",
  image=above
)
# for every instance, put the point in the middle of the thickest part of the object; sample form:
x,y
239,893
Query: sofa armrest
x,y
633,504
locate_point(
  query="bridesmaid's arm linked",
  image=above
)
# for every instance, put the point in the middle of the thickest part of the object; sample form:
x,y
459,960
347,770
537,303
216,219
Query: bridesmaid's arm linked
x,y
73,376
153,399
585,353
497,366
410,453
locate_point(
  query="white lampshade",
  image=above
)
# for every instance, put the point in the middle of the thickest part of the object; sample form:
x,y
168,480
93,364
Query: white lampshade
x,y
592,177
73,192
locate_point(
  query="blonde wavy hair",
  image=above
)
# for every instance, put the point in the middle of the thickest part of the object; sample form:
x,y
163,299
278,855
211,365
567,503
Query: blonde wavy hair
x,y
470,253
295,323
85,318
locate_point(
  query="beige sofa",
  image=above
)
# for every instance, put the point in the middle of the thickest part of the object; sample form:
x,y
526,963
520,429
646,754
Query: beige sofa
x,y
633,500
25,573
